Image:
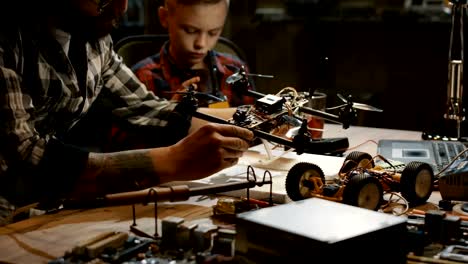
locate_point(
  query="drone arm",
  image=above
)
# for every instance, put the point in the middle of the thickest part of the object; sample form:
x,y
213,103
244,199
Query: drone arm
x,y
272,138
254,94
322,114
257,133
209,118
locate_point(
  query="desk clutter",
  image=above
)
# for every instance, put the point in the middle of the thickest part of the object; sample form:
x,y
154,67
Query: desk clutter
x,y
182,243
437,153
448,159
323,217
288,233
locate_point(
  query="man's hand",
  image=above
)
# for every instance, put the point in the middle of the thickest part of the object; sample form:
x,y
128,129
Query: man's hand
x,y
208,150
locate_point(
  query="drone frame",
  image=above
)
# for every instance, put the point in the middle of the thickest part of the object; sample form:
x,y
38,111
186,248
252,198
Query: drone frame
x,y
302,142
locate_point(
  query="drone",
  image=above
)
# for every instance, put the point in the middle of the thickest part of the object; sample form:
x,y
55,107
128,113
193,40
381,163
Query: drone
x,y
280,118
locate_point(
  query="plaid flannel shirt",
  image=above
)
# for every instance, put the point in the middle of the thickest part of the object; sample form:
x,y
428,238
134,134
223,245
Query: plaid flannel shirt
x,y
160,74
41,100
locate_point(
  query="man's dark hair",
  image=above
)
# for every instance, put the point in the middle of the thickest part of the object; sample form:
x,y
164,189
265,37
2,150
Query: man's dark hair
x,y
27,11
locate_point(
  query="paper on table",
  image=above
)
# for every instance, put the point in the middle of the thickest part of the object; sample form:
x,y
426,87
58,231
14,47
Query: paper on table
x,y
257,158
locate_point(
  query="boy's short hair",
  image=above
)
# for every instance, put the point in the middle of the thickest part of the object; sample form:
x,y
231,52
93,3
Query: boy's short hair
x,y
194,2
169,3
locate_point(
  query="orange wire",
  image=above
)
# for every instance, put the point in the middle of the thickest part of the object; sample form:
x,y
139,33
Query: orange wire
x,y
365,142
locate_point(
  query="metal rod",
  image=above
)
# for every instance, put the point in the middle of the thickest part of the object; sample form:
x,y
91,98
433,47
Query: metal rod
x,y
221,188
454,105
255,94
258,133
260,75
210,118
322,114
134,215
175,193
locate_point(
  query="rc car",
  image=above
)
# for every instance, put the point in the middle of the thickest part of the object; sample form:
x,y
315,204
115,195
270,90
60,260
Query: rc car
x,y
360,182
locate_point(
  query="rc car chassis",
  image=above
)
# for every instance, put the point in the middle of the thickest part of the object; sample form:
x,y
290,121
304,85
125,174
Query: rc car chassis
x,y
360,182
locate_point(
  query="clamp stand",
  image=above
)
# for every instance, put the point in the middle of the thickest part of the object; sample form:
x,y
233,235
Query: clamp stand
x,y
182,193
455,110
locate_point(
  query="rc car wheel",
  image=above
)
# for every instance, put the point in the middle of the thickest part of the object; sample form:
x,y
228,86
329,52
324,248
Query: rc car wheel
x,y
357,159
299,184
363,190
416,182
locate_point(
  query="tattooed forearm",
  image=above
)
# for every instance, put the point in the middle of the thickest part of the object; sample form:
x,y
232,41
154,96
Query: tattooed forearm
x,y
122,171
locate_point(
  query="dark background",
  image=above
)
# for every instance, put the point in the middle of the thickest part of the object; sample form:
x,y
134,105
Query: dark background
x,y
390,54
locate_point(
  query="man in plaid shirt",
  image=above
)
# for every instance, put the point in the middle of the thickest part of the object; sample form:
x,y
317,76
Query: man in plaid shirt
x,y
51,72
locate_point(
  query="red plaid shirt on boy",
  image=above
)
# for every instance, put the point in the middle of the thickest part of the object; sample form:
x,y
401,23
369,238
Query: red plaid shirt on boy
x,y
160,74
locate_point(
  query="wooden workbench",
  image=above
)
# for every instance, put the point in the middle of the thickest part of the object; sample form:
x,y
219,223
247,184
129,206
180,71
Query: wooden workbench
x,y
46,237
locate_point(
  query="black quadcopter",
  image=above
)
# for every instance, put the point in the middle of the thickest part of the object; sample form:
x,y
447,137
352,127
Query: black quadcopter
x,y
279,118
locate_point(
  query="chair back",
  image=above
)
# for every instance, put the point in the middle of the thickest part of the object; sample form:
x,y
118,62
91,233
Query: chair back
x,y
137,47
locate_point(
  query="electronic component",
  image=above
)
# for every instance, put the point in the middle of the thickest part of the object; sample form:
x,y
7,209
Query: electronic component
x,y
433,224
182,243
318,230
434,152
451,229
456,253
453,182
391,165
270,104
110,247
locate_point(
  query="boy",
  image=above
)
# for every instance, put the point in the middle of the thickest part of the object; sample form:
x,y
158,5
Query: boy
x,y
194,27
188,58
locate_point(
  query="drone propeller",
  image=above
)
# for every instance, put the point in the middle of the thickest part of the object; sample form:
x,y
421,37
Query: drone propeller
x,y
359,106
234,78
366,107
241,74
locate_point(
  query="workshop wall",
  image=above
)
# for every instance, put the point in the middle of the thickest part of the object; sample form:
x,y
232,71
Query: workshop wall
x,y
381,52
396,62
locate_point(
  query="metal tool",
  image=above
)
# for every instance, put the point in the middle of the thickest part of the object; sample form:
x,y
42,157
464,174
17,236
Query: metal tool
x,y
455,110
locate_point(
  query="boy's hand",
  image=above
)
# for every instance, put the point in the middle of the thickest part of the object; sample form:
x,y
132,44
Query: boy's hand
x,y
185,86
